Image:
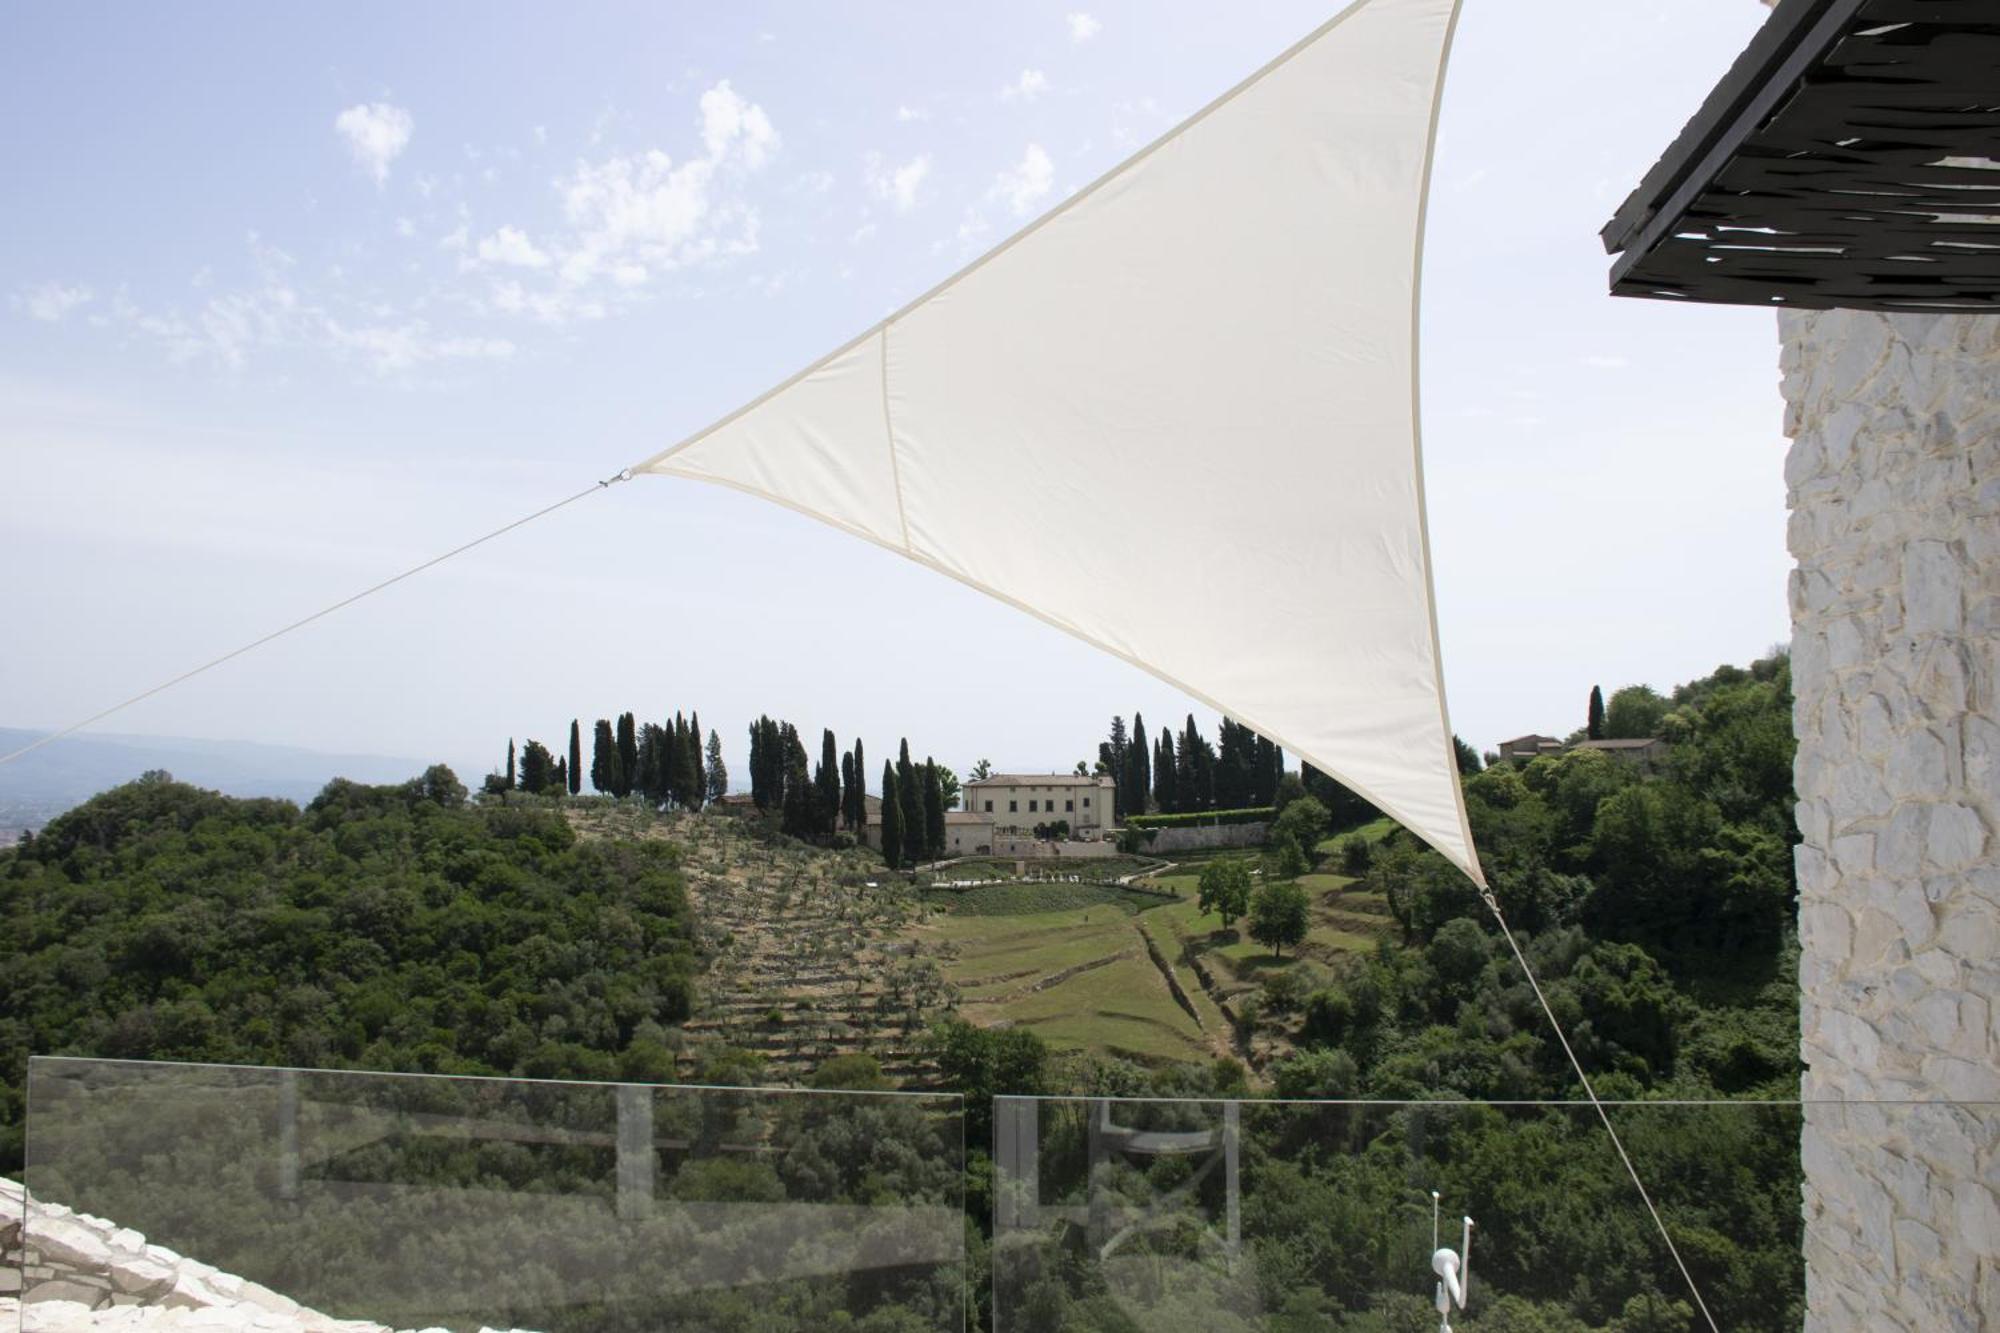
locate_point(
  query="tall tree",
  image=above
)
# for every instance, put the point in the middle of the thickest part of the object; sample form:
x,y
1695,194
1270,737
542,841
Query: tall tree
x,y
982,770
857,802
574,773
687,764
1594,727
628,753
538,768
510,763
912,793
649,772
933,810
892,818
847,789
604,770
716,776
698,791
1166,771
827,779
1111,763
1138,774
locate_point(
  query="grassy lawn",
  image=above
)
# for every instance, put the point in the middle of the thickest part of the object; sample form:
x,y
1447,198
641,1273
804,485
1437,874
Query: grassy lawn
x,y
1122,1007
1373,831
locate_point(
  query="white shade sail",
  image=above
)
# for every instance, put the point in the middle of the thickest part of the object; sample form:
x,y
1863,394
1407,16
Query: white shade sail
x,y
1178,416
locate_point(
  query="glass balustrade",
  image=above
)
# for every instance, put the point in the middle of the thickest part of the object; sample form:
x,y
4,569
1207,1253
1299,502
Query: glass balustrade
x,y
417,1202
1237,1215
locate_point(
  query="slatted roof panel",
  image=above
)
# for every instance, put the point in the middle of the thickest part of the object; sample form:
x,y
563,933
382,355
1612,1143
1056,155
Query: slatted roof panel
x,y
1850,158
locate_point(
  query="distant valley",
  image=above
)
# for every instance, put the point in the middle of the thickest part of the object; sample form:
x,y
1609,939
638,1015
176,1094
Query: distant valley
x,y
37,787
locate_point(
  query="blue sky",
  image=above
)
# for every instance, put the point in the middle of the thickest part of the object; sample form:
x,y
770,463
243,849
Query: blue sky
x,y
291,297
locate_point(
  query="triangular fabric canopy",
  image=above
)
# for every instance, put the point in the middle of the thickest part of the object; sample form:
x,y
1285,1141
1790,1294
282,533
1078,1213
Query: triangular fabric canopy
x,y
1177,416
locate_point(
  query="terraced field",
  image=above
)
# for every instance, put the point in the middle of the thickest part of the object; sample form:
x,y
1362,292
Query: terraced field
x,y
810,952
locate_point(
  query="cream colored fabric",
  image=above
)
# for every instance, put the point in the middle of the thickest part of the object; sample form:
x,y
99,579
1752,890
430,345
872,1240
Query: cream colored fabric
x,y
1201,373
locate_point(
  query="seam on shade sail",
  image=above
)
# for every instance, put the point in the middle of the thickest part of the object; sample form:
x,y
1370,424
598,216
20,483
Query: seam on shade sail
x,y
1249,81
1473,871
1388,808
889,433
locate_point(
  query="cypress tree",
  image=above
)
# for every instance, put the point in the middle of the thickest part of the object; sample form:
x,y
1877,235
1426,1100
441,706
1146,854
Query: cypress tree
x,y
892,818
573,772
716,778
857,809
913,805
1165,770
757,793
687,764
510,763
604,758
933,810
828,781
1139,763
847,788
628,753
1594,727
698,792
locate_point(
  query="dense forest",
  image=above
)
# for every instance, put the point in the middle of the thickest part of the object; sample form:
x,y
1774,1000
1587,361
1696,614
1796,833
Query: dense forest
x,y
399,928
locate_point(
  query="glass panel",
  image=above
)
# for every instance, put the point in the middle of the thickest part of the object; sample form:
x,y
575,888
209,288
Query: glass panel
x,y
461,1203
1217,1215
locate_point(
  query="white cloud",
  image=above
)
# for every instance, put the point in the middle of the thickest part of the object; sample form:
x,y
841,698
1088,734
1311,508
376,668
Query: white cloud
x,y
1082,27
405,228
906,114
632,215
863,233
510,245
814,182
731,126
51,301
1031,84
376,134
899,186
1027,183
541,134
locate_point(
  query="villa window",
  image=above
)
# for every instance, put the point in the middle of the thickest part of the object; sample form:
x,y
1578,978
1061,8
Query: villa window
x,y
1069,807
1033,806
1013,806
1086,803
989,807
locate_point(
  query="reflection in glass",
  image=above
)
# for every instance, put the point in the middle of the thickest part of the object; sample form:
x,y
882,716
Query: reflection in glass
x,y
1219,1215
458,1203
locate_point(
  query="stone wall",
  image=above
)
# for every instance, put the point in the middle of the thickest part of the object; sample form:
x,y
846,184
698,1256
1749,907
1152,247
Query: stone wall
x,y
1893,480
62,1271
1188,838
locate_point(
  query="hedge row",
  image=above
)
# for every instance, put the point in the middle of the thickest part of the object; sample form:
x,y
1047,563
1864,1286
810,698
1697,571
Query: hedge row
x,y
1205,818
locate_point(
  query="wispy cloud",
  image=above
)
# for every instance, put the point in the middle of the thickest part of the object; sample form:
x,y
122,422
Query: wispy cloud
x,y
51,301
1026,183
1030,84
906,114
899,186
1082,27
510,245
614,224
376,134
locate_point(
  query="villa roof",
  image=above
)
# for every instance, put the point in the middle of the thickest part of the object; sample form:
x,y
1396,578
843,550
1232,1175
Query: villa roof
x,y
1846,159
1037,780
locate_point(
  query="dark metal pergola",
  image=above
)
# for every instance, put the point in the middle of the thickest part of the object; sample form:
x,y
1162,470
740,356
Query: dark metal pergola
x,y
1851,158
